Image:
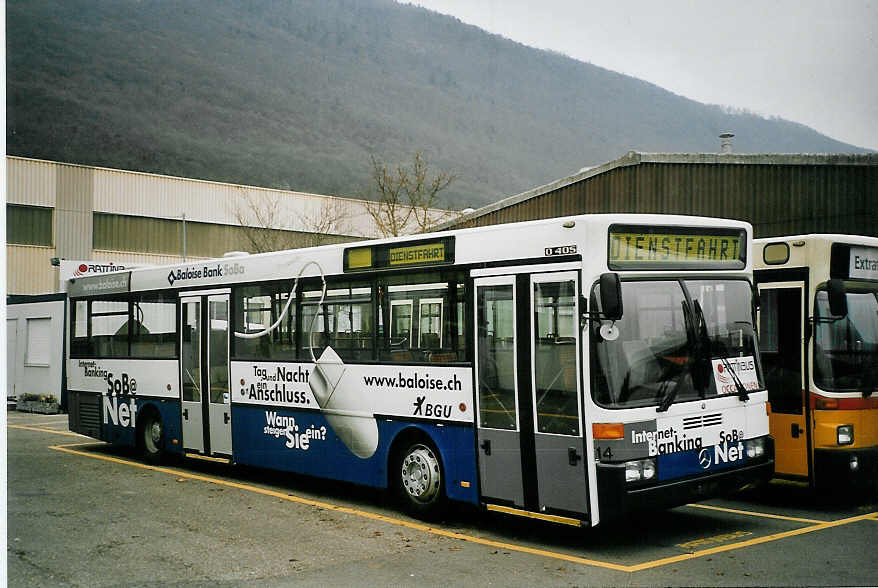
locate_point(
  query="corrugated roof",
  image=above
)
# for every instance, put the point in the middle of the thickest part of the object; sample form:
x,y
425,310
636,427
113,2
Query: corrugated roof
x,y
636,158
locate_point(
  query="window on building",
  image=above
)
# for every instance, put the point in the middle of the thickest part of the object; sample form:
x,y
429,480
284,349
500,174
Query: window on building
x,y
39,338
29,225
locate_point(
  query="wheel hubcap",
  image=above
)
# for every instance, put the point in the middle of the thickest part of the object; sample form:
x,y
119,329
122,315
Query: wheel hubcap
x,y
420,474
153,436
155,431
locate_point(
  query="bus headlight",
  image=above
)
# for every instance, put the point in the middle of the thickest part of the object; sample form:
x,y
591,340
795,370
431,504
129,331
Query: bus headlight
x,y
755,448
638,470
648,469
845,434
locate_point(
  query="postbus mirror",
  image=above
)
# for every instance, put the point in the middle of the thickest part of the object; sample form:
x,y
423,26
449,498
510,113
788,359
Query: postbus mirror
x,y
611,296
838,302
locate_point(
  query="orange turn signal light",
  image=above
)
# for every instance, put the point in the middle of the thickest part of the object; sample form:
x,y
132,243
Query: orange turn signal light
x,y
608,430
822,403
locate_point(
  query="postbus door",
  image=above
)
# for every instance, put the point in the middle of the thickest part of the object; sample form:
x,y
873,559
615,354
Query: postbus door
x,y
782,349
530,442
204,374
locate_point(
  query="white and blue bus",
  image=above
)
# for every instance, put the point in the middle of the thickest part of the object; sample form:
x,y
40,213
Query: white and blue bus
x,y
571,370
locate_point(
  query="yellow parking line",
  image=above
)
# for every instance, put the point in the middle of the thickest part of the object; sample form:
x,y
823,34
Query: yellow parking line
x,y
470,538
749,542
41,430
763,515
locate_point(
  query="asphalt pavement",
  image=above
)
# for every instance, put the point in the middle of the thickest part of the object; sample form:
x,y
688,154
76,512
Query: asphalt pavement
x,y
82,513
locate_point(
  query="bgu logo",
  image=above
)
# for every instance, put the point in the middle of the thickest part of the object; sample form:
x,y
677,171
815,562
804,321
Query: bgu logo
x,y
431,410
119,412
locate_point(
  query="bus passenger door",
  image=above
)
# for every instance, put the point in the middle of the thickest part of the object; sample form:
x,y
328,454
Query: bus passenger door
x,y
530,441
781,348
557,404
219,396
191,384
204,374
499,440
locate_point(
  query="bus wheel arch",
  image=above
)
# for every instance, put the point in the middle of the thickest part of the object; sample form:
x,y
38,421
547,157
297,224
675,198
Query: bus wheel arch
x,y
151,433
416,474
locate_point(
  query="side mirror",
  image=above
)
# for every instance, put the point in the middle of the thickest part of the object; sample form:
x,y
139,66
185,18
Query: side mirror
x,y
838,302
611,296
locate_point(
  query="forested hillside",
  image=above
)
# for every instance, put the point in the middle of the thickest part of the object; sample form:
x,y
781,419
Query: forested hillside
x,y
300,94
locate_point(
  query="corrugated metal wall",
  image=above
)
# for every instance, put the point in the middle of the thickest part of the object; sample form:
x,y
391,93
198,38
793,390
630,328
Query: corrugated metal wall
x,y
74,202
776,199
29,270
31,181
156,196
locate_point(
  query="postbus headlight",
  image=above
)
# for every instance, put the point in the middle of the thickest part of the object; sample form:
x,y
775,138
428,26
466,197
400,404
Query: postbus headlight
x,y
641,469
755,448
845,434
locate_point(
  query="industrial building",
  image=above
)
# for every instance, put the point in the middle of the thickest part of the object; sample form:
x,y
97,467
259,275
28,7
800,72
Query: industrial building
x,y
780,194
65,220
103,218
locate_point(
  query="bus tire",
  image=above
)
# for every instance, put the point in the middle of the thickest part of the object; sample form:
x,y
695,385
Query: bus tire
x,y
420,480
152,437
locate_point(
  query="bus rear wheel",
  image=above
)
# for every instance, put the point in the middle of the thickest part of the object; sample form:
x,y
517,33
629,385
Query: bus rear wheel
x,y
152,437
420,480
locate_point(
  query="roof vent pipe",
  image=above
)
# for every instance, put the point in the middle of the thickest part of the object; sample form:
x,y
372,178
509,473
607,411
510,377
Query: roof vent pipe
x,y
725,142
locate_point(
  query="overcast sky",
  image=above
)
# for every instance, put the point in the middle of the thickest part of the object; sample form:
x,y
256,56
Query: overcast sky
x,y
810,61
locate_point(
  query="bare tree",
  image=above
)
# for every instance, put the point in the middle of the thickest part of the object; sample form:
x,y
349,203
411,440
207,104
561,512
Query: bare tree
x,y
257,216
406,197
333,218
423,194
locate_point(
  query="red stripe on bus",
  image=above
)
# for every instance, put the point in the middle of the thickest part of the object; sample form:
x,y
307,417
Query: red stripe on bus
x,y
819,402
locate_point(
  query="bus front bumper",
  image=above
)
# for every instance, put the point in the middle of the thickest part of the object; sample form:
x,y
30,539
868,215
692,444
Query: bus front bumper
x,y
842,469
616,498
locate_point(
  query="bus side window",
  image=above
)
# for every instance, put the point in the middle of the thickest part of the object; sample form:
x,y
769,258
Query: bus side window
x,y
154,327
79,335
423,315
256,308
344,321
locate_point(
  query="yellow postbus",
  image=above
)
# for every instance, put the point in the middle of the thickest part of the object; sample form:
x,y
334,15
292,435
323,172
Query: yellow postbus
x,y
819,347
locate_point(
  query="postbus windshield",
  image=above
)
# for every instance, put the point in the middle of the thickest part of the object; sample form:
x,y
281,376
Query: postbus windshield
x,y
846,349
677,340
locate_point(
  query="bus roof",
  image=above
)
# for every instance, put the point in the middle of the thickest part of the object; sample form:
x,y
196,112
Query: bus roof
x,y
512,241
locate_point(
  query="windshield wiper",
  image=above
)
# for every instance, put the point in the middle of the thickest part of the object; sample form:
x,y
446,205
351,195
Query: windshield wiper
x,y
667,396
700,348
739,385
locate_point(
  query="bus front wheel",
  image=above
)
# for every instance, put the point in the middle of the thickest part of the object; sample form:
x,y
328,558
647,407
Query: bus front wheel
x,y
419,480
152,437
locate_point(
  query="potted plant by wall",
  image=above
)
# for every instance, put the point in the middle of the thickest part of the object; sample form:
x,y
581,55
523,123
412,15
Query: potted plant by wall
x,y
40,403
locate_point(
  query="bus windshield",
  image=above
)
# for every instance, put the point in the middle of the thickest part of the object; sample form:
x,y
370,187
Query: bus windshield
x,y
846,349
678,340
